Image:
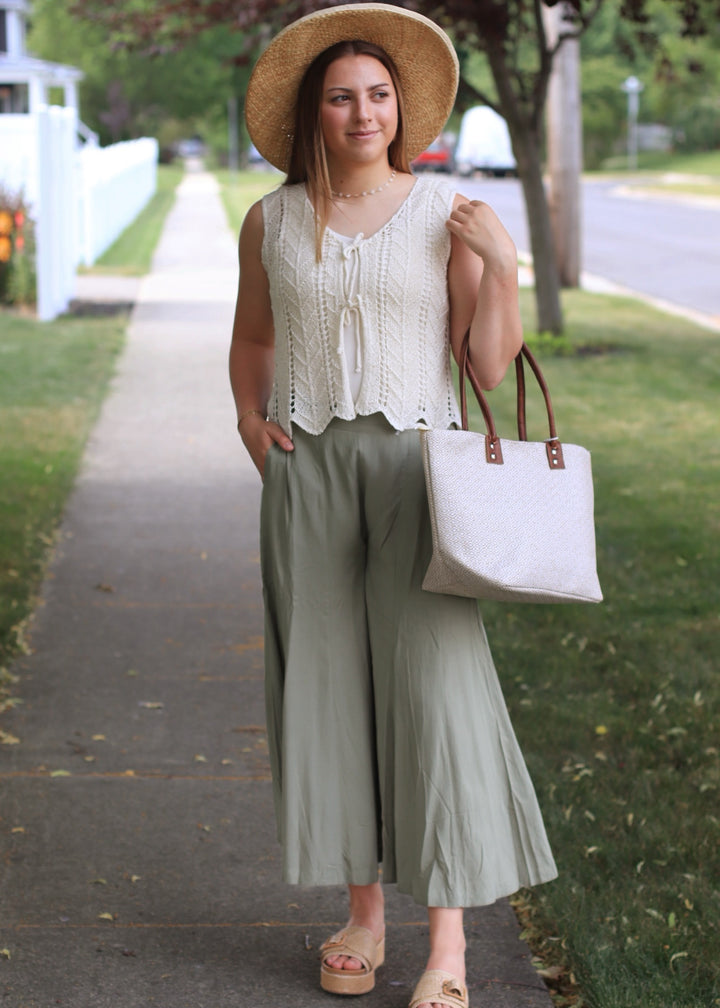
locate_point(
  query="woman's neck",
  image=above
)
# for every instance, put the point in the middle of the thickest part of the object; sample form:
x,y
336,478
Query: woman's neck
x,y
367,214
357,181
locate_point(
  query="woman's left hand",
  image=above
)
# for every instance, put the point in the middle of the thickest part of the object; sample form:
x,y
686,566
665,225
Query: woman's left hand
x,y
479,227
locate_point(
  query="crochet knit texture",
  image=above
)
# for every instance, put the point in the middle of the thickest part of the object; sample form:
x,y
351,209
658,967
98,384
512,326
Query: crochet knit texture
x,y
394,282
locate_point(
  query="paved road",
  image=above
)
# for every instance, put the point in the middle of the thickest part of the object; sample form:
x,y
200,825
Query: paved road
x,y
660,247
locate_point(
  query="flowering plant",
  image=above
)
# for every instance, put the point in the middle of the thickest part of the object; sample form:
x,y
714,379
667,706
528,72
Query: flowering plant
x,y
17,250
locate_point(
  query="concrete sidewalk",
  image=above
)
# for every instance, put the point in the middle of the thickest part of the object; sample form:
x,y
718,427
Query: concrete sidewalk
x,y
138,863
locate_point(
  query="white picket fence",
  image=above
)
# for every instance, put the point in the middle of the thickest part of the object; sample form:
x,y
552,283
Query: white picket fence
x,y
114,184
81,198
18,153
54,208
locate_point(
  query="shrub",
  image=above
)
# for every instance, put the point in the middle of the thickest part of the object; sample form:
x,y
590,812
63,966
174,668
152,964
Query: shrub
x,y
17,250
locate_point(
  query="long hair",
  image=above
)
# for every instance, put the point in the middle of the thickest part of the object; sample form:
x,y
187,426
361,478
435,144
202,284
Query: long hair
x,y
308,161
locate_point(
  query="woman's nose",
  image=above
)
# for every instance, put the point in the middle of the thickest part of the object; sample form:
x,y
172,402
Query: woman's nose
x,y
362,110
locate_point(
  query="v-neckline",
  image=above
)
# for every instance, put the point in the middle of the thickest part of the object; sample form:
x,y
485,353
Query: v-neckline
x,y
339,235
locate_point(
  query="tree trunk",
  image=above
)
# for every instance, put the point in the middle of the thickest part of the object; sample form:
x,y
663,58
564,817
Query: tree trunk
x,y
523,121
547,280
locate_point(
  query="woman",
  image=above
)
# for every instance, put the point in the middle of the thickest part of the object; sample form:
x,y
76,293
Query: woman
x,y
390,743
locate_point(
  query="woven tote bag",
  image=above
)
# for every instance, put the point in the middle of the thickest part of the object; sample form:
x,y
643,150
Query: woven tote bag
x,y
511,520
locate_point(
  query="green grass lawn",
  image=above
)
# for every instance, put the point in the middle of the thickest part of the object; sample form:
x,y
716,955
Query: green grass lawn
x,y
53,376
617,705
52,379
239,190
692,174
699,163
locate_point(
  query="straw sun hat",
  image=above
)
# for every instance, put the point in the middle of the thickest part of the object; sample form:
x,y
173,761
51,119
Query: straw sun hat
x,y
422,52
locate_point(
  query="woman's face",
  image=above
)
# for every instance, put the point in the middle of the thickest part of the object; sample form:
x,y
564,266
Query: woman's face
x,y
359,112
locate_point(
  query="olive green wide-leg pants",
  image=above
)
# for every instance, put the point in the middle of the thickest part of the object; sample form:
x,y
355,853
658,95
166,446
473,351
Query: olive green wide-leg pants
x,y
390,741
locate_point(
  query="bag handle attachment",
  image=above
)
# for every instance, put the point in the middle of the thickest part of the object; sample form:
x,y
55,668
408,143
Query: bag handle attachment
x,y
493,448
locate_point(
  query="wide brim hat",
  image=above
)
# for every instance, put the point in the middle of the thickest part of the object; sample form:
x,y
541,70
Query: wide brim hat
x,y
423,54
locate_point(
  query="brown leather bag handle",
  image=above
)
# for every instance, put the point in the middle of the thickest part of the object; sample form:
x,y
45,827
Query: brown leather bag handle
x,y
493,449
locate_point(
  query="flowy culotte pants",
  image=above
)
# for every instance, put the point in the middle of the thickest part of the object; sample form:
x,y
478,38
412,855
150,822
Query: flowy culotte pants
x,y
390,742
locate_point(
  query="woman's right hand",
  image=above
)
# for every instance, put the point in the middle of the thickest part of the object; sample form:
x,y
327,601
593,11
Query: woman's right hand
x,y
258,435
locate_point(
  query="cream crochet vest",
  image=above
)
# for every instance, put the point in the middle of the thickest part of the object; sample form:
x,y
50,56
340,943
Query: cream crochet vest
x,y
395,283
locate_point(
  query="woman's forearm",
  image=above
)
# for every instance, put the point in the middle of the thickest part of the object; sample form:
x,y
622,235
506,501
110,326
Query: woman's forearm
x,y
496,329
251,375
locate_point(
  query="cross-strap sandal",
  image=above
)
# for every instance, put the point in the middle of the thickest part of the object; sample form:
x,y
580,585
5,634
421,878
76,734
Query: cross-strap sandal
x,y
359,943
439,987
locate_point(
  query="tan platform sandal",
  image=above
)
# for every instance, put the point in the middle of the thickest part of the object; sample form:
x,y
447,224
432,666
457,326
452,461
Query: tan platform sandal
x,y
359,943
439,987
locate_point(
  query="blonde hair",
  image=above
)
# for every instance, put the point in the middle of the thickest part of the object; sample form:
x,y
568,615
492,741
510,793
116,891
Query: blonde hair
x,y
308,161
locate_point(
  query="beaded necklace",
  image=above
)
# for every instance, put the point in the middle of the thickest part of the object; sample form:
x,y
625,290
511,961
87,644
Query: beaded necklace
x,y
367,192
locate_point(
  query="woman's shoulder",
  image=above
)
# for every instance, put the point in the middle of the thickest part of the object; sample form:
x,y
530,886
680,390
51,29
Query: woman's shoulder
x,y
294,190
436,190
251,233
284,195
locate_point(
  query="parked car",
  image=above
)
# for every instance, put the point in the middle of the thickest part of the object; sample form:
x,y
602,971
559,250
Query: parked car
x,y
484,144
438,156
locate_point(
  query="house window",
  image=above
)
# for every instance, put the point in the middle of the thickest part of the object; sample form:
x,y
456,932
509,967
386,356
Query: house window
x,y
3,31
14,99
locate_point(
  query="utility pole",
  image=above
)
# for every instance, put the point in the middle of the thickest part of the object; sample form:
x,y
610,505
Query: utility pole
x,y
233,141
564,142
632,88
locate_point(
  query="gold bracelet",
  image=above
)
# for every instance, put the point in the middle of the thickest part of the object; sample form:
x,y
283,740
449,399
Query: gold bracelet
x,y
247,413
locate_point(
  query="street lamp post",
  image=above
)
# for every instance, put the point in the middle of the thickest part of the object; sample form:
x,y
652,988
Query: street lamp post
x,y
632,88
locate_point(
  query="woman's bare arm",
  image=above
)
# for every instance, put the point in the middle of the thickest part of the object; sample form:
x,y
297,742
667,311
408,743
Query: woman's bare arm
x,y
483,285
252,351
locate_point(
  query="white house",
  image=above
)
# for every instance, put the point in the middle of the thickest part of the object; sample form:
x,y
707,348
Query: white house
x,y
82,196
25,84
24,80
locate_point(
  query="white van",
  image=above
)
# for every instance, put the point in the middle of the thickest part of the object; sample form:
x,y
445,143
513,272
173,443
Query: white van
x,y
484,144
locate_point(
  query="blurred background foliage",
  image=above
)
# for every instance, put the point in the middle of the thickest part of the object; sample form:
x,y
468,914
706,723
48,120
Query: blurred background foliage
x,y
680,77
127,94
174,94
